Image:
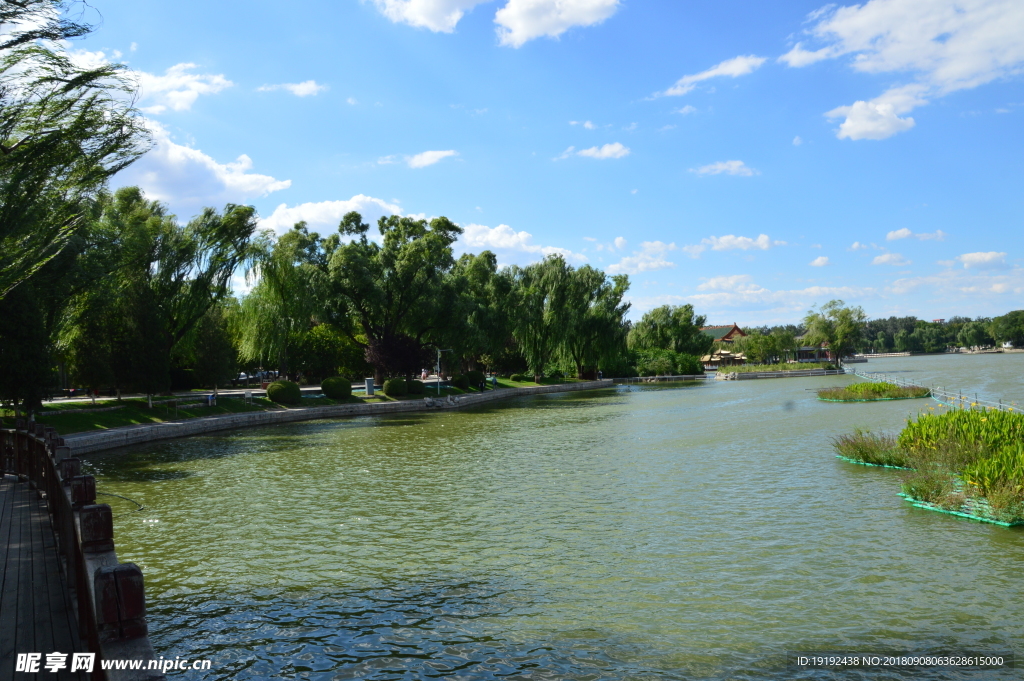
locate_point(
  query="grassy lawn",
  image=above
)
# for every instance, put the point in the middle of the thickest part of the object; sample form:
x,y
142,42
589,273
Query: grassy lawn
x,y
65,417
68,417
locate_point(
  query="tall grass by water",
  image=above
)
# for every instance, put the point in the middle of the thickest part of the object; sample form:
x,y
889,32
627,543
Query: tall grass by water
x,y
870,392
962,460
794,366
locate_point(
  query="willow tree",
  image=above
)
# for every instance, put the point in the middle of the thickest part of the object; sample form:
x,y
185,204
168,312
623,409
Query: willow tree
x,y
671,328
287,299
64,130
539,306
162,279
396,292
838,326
593,317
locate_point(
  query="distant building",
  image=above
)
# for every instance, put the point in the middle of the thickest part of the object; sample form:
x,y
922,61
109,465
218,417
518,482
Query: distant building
x,y
938,321
723,334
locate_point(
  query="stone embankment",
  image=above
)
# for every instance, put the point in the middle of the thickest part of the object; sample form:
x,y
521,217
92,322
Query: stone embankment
x,y
94,441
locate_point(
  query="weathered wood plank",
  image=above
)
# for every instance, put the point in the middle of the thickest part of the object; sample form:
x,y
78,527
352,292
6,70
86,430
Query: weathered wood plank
x,y
8,573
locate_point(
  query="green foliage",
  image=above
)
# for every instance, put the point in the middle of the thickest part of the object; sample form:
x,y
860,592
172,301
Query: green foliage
x,y
396,290
875,448
671,328
788,366
336,387
519,378
284,392
761,348
860,392
661,362
837,325
475,377
396,387
962,460
64,131
461,382
539,307
416,387
1009,328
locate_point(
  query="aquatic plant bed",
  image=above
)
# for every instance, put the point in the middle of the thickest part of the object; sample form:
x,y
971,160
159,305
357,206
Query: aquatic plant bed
x,y
972,509
872,392
964,462
876,465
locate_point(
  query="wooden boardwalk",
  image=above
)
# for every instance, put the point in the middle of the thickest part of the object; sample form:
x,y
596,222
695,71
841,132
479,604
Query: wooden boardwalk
x,y
35,613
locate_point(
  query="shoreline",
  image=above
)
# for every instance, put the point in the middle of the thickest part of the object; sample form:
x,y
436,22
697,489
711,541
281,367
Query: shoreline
x,y
95,441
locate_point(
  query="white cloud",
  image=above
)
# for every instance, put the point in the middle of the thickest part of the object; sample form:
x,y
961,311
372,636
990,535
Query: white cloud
x,y
188,180
134,47
948,45
178,88
735,67
589,125
878,118
620,243
797,141
730,242
324,216
820,261
303,89
614,150
686,110
522,20
726,167
507,243
436,15
740,289
351,101
649,258
989,260
974,287
858,246
429,158
890,259
904,233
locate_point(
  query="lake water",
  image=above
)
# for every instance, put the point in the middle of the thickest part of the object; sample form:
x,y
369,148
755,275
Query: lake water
x,y
695,532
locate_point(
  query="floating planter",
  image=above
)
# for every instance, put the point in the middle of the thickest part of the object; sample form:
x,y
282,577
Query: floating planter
x,y
876,465
872,392
973,508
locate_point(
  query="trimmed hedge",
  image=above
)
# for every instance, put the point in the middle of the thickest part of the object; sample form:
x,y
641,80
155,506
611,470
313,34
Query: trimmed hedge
x,y
460,382
336,388
518,378
284,392
475,378
416,387
396,387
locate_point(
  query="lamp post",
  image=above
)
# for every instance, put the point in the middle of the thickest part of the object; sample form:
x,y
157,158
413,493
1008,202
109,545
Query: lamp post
x,y
437,369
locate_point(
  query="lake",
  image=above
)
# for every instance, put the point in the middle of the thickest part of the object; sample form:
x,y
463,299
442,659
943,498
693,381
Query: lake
x,y
658,532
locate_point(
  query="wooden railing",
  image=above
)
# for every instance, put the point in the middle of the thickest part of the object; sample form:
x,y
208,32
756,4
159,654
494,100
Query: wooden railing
x,y
108,597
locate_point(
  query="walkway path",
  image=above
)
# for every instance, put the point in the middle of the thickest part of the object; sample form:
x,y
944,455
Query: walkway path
x,y
35,615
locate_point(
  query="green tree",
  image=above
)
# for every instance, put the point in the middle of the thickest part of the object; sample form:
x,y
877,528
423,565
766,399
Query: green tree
x,y
163,278
539,306
671,328
64,130
1009,328
593,317
396,291
837,325
973,335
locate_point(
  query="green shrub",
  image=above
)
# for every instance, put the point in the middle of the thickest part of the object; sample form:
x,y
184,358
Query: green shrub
x,y
336,387
518,378
416,387
556,375
396,387
284,392
475,377
460,381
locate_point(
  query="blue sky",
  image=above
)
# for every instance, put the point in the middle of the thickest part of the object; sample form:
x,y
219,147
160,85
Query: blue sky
x,y
753,159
